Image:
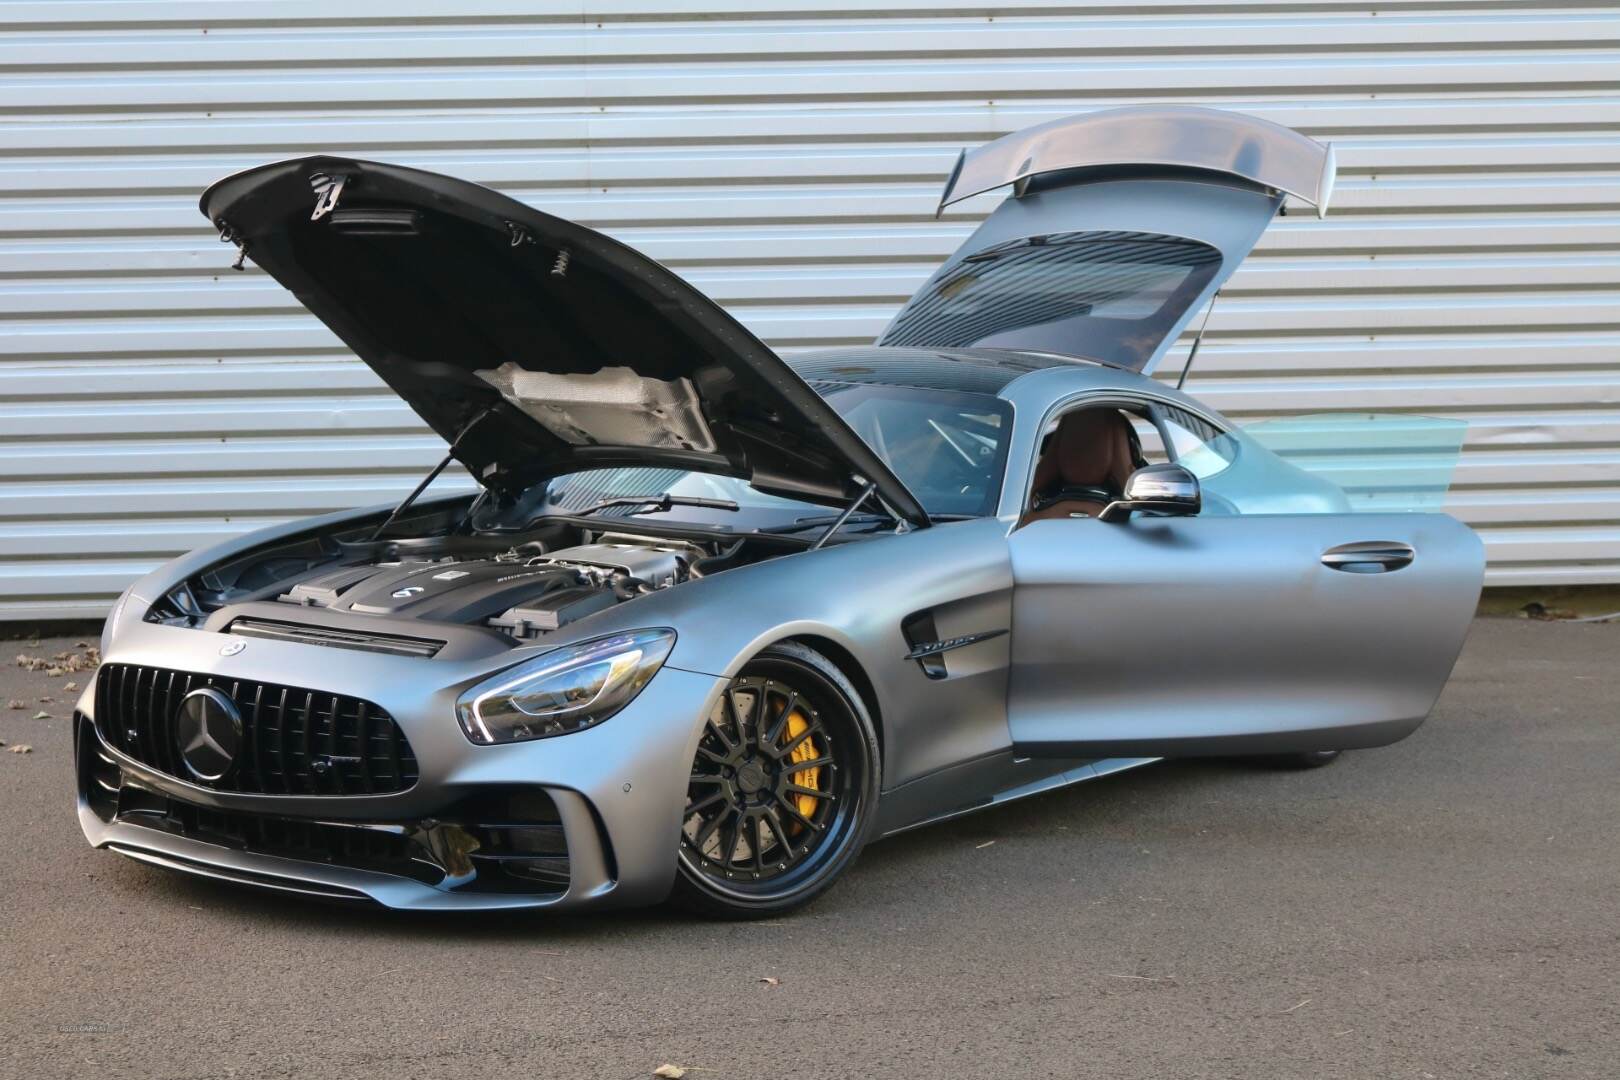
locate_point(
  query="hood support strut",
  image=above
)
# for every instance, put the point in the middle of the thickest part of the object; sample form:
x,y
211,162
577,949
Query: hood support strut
x,y
846,514
405,504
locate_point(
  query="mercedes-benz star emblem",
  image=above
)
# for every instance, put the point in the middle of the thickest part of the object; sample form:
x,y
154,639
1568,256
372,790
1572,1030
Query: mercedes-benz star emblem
x,y
409,590
208,733
231,648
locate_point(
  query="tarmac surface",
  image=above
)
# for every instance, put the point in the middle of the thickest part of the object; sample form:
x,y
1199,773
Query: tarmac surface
x,y
1446,907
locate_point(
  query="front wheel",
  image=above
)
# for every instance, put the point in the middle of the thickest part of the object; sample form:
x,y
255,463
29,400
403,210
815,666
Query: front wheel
x,y
783,789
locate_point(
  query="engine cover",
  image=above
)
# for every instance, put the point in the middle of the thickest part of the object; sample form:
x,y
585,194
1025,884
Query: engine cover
x,y
458,592
658,566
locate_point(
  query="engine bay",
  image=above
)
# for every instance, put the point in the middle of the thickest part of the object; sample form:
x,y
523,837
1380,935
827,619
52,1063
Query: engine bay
x,y
519,593
440,589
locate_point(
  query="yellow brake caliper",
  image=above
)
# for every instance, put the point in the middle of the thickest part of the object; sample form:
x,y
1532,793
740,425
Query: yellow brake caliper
x,y
806,751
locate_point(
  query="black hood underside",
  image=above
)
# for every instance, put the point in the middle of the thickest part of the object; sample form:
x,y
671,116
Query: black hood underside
x,y
537,346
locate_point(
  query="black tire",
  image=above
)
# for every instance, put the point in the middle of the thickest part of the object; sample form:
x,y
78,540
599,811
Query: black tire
x,y
747,850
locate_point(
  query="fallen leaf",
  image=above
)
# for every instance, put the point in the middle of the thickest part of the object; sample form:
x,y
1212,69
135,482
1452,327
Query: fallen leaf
x,y
81,644
771,980
1301,1005
56,672
669,1072
984,845
15,704
70,687
20,748
42,715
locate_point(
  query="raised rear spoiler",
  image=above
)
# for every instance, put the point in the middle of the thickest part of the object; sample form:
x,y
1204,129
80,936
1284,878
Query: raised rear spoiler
x,y
1176,138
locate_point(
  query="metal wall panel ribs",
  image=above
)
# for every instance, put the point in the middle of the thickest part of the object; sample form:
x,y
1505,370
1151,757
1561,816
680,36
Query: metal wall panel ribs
x,y
788,163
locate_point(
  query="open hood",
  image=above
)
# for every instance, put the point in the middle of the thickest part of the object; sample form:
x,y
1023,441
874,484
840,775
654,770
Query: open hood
x,y
535,346
1121,225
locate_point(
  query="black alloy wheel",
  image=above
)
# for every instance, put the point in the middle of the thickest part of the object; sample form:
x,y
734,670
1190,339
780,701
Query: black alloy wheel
x,y
782,788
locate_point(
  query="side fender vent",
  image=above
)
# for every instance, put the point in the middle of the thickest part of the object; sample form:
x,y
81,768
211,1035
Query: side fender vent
x,y
920,634
929,649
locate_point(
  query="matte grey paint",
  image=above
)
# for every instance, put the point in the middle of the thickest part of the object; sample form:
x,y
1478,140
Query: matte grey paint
x,y
1230,635
1127,640
1348,659
1229,145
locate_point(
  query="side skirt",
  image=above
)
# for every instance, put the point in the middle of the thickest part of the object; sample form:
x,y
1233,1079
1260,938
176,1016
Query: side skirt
x,y
1010,768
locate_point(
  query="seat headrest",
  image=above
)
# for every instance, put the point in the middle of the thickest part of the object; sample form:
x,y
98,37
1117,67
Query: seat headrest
x,y
1089,447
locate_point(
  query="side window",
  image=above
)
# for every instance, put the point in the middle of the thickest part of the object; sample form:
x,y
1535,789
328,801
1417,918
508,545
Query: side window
x,y
1197,444
1084,463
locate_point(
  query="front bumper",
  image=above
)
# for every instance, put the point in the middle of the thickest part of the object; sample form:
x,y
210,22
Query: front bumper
x,y
617,790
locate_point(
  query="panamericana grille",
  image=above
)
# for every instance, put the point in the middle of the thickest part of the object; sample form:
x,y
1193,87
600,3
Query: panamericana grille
x,y
294,741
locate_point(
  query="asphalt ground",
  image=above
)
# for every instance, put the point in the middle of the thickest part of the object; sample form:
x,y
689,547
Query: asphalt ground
x,y
1446,907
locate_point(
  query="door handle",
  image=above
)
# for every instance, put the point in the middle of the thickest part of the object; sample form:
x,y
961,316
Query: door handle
x,y
1369,557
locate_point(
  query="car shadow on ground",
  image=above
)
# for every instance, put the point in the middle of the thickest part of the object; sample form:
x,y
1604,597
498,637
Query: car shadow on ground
x,y
1094,805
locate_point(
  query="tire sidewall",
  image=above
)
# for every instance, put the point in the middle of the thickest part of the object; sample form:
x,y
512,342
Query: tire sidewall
x,y
699,892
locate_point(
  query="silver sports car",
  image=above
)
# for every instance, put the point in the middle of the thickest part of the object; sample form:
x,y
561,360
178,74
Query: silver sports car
x,y
715,618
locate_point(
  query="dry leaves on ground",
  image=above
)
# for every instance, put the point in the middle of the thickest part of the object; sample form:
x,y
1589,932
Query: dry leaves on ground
x,y
669,1072
59,664
771,980
42,715
15,704
20,748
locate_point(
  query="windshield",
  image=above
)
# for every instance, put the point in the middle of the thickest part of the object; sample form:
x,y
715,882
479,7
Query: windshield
x,y
948,448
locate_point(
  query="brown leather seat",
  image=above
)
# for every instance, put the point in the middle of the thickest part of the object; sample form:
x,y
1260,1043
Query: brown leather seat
x,y
1090,448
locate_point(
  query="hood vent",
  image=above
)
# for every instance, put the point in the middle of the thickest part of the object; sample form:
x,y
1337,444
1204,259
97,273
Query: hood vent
x,y
338,639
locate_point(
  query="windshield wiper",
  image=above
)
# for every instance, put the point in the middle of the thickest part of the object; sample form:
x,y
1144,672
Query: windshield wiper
x,y
857,519
823,520
656,503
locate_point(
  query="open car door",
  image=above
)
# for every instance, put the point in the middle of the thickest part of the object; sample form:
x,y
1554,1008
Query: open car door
x,y
1268,634
1273,613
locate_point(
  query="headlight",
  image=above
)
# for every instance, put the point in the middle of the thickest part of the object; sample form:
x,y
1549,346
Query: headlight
x,y
574,688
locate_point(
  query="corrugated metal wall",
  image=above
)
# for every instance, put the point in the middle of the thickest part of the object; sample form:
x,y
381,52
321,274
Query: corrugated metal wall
x,y
788,163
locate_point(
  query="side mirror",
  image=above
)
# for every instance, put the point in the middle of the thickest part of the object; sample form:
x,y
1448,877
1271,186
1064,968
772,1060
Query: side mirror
x,y
1159,489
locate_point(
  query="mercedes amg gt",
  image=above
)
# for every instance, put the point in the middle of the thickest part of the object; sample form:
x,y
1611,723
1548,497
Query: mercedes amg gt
x,y
712,618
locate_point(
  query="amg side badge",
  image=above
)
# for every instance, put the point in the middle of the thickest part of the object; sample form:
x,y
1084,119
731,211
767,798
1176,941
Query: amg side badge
x,y
934,648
